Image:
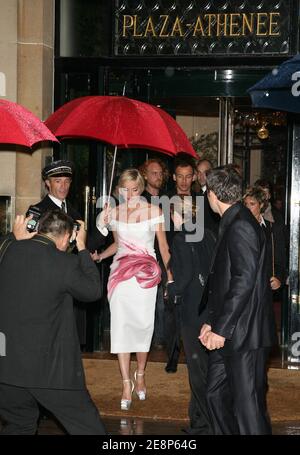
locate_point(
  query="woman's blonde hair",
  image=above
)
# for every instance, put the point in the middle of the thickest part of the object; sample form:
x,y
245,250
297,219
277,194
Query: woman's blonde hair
x,y
257,193
132,175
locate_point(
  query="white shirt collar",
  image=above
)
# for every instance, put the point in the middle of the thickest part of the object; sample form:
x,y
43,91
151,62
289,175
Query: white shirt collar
x,y
268,215
56,201
203,188
262,222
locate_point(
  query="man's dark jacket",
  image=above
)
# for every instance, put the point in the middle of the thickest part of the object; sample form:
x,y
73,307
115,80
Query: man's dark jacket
x,y
37,286
240,299
190,262
276,250
211,219
47,204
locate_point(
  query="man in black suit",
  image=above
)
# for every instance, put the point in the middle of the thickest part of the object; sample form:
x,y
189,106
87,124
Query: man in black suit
x,y
211,219
38,280
190,260
184,175
240,325
58,178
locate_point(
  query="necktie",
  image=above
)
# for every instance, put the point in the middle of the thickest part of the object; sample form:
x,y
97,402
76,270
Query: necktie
x,y
63,207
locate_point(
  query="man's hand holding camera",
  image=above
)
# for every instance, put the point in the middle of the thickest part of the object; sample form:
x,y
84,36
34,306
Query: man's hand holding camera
x,y
80,236
20,230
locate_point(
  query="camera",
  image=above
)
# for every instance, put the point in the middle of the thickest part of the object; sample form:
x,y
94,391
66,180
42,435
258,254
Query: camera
x,y
34,222
76,226
36,214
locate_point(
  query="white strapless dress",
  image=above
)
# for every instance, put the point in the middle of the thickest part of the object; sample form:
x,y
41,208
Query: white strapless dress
x,y
132,307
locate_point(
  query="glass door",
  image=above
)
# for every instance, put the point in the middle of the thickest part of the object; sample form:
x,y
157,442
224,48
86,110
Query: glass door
x,y
294,289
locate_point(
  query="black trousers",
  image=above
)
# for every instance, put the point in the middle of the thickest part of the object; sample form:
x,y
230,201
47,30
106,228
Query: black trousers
x,y
183,322
236,392
73,408
159,321
197,364
172,334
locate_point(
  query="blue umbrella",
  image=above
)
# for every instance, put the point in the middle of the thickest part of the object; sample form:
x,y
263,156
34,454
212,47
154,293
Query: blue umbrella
x,y
280,89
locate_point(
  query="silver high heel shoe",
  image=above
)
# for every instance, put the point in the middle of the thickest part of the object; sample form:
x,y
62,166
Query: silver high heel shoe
x,y
125,404
141,393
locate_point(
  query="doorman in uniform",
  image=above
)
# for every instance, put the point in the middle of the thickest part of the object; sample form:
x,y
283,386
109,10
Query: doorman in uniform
x,y
58,178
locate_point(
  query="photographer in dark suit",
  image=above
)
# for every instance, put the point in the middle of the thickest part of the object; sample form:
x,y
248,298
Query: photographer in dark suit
x,y
240,325
38,280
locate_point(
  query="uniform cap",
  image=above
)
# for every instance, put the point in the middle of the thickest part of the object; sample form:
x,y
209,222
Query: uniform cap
x,y
61,168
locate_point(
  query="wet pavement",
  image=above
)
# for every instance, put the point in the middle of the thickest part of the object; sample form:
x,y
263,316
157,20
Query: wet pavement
x,y
137,426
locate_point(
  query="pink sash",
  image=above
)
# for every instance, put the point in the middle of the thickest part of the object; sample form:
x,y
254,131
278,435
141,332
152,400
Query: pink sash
x,y
139,264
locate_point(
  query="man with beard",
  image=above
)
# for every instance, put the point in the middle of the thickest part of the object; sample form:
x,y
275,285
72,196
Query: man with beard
x,y
155,175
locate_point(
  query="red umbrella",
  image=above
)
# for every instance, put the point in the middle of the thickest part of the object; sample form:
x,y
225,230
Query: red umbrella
x,y
20,126
122,122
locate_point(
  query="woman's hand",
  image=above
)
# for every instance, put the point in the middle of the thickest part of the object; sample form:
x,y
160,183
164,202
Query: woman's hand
x,y
104,219
105,216
96,256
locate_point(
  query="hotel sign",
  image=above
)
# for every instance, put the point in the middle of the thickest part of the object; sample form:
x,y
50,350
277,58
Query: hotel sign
x,y
202,27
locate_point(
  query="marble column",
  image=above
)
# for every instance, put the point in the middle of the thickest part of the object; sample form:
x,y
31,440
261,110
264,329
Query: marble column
x,y
35,60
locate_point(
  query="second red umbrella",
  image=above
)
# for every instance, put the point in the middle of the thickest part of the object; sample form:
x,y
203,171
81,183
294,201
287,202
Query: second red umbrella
x,y
122,122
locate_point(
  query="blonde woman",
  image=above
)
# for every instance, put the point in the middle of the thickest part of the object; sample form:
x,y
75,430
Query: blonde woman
x,y
134,277
255,199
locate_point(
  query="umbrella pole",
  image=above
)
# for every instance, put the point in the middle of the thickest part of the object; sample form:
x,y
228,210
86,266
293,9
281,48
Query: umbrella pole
x,y
112,173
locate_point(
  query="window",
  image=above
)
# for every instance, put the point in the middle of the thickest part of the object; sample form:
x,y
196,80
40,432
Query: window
x,y
85,29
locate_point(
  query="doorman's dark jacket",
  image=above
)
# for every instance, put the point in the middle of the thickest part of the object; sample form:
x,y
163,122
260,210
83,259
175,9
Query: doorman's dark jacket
x,y
47,204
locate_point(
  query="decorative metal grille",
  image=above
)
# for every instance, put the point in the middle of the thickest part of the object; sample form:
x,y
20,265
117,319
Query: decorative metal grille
x,y
202,28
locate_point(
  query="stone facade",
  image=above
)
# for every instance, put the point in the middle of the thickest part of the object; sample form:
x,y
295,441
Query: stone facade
x,y
26,68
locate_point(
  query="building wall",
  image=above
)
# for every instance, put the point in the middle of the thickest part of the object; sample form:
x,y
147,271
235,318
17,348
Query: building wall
x,y
26,61
194,126
8,70
202,131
